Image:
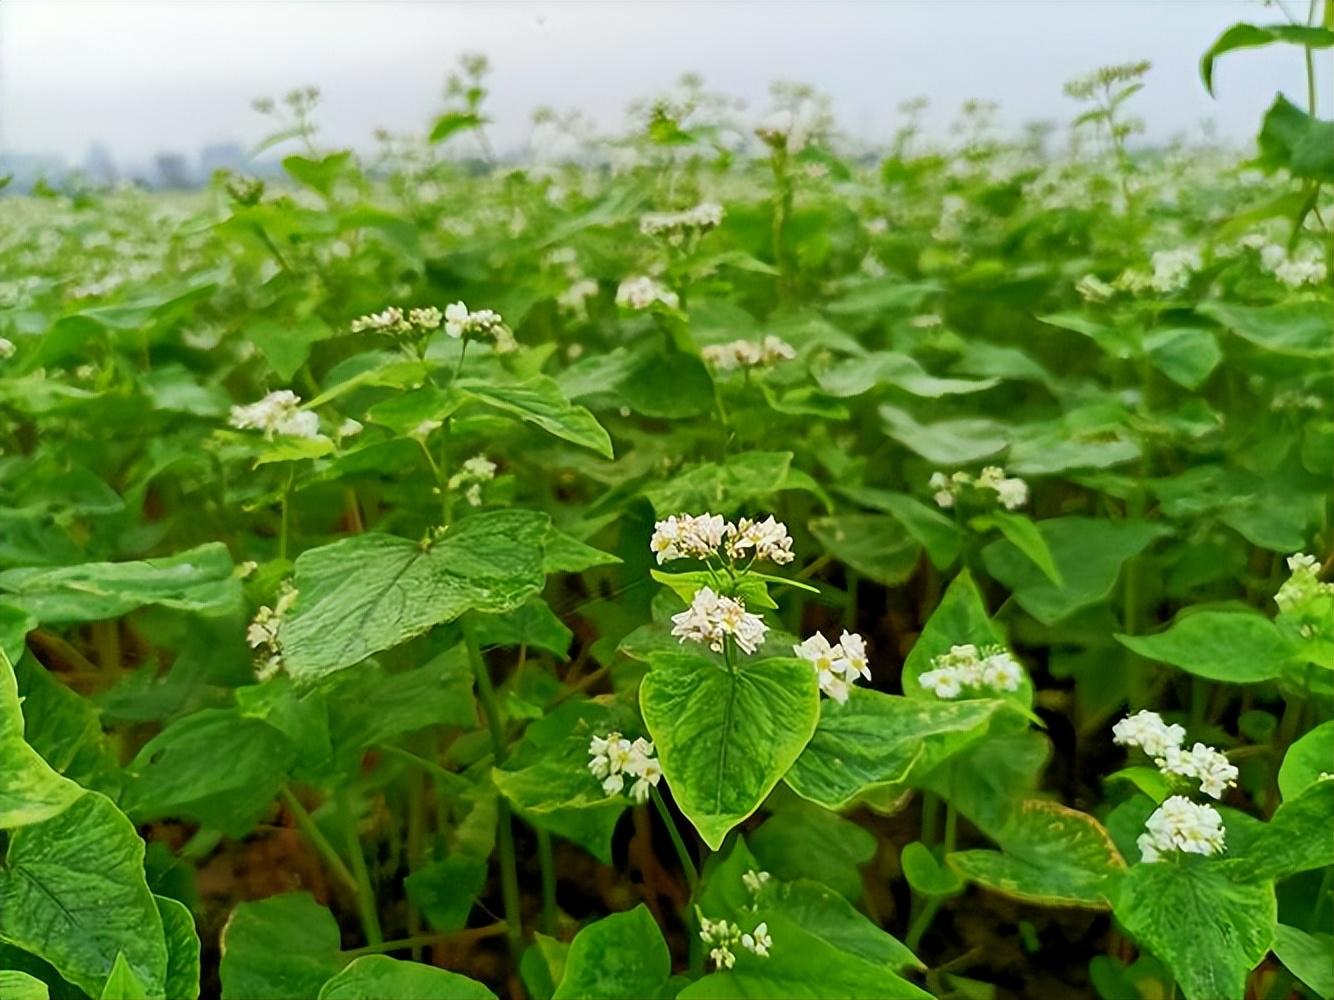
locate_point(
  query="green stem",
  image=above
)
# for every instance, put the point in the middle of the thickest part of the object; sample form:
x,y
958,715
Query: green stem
x,y
370,919
317,839
1310,64
421,940
509,871
682,852
548,865
930,818
286,515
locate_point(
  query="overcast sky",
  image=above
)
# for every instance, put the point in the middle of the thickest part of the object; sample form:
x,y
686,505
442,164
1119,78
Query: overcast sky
x,y
147,76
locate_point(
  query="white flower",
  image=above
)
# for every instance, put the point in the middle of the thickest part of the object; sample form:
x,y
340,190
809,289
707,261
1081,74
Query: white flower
x,y
829,663
1172,269
722,957
1181,825
758,941
574,299
7,348
942,682
642,292
676,226
480,468
748,353
1094,289
768,539
1147,731
1011,492
1209,767
1001,672
390,321
687,536
461,322
262,633
711,618
613,758
278,413
613,784
754,881
1303,585
965,666
649,776
854,654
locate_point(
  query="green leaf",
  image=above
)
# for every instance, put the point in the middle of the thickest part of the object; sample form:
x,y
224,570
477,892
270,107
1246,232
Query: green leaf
x,y
877,740
215,766
1249,36
1087,551
548,782
1298,838
454,121
21,986
1298,329
725,738
30,791
319,174
855,376
960,618
370,592
1053,856
875,545
1307,759
1184,354
802,840
445,890
1023,534
750,476
1293,140
827,915
198,580
750,587
540,402
543,966
286,345
379,977
178,927
1239,647
72,892
281,948
1309,957
925,874
562,553
123,984
947,443
623,955
934,531
1208,930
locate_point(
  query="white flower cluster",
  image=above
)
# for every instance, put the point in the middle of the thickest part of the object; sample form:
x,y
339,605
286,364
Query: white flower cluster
x,y
1162,742
476,470
705,536
575,298
836,667
1171,272
1305,267
1181,825
278,413
460,322
1011,492
393,322
262,633
754,881
786,129
726,936
966,666
748,353
1093,289
1303,585
676,226
7,348
642,291
614,758
711,618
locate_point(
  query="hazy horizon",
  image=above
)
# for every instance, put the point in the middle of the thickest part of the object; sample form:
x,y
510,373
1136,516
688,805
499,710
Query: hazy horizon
x,y
140,78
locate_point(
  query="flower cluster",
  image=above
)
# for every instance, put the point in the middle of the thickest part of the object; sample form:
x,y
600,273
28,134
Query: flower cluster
x,y
788,130
706,536
748,353
711,618
1304,585
1162,742
460,322
614,758
676,226
725,937
1181,825
1011,492
7,348
476,470
966,666
837,667
262,633
575,298
1093,289
278,413
393,322
642,291
1171,272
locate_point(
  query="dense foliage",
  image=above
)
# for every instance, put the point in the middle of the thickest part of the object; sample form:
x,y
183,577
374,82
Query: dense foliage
x,y
794,572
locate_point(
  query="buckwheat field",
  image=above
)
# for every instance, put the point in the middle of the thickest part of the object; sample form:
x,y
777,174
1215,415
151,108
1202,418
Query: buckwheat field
x,y
731,560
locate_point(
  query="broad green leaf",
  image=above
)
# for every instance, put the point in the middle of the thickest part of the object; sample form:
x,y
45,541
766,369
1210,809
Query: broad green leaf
x,y
828,915
548,782
286,346
543,966
217,767
1087,551
540,402
563,554
1292,140
1023,534
623,955
1306,760
1309,957
21,986
750,587
875,545
1115,341
855,376
1047,452
319,174
802,840
178,927
1301,329
30,791
1186,355
1249,36
72,892
445,890
878,296
198,580
123,984
725,738
876,740
948,443
742,479
925,874
379,977
1208,930
367,593
387,371
454,121
1052,856
1299,837
934,531
281,948
1234,646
